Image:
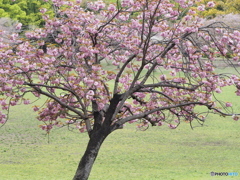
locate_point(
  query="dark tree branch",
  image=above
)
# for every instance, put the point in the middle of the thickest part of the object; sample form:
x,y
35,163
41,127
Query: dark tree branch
x,y
35,87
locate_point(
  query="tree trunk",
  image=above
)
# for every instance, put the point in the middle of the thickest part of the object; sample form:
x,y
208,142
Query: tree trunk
x,y
86,163
97,135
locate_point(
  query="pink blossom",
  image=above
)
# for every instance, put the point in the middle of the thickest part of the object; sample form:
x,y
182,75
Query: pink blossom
x,y
14,36
44,127
3,121
19,26
160,123
126,3
225,39
35,108
218,90
70,121
82,130
135,102
210,4
228,104
172,126
90,93
95,83
100,106
111,7
205,48
47,127
235,117
236,58
201,7
187,18
26,101
88,81
191,11
13,103
176,121
100,4
163,77
43,10
115,63
141,95
3,103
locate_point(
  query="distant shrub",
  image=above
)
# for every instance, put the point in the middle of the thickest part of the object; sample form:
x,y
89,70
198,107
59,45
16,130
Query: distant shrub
x,y
26,11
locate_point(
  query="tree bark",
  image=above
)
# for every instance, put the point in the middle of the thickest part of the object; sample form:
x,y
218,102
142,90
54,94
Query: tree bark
x,y
88,159
97,135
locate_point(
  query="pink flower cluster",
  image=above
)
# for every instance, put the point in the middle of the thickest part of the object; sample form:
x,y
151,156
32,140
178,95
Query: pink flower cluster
x,y
211,4
3,118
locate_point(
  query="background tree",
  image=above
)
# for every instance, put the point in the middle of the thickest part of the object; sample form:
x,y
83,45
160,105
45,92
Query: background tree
x,y
233,6
25,11
164,69
221,7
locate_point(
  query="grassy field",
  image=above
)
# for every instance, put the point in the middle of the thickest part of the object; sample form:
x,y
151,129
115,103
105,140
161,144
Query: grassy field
x,y
159,153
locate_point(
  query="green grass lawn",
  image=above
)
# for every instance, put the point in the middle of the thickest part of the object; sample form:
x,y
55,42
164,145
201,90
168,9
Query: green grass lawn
x,y
158,153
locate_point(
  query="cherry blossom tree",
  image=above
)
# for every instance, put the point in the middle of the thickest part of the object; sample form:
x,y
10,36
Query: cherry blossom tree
x,y
162,68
